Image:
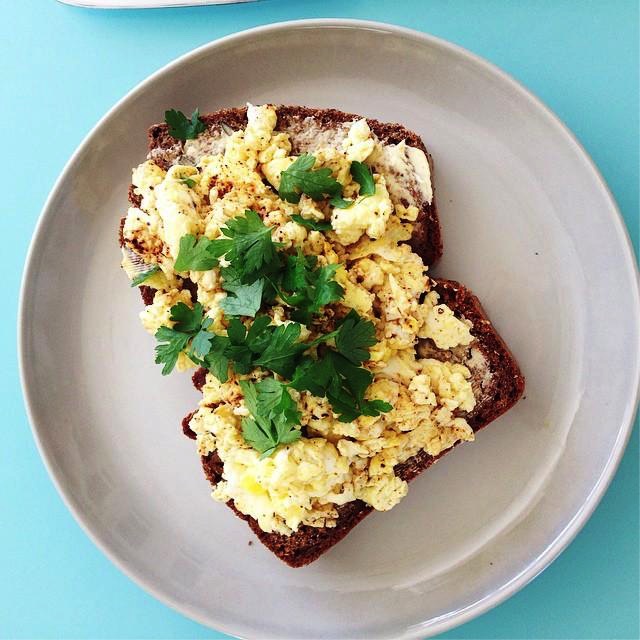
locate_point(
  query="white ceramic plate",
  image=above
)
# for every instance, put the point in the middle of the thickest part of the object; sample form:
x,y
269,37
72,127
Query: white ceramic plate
x,y
528,224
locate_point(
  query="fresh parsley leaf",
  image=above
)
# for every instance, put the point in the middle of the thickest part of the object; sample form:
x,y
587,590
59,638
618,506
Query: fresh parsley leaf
x,y
255,272
375,407
275,348
281,351
216,360
342,382
361,173
259,436
170,344
345,407
297,269
186,319
201,343
245,301
249,247
236,332
274,415
340,203
257,430
301,178
313,376
199,255
237,350
308,288
230,278
312,224
190,182
189,333
243,345
350,398
321,290
269,395
181,128
326,289
354,337
145,275
355,379
259,334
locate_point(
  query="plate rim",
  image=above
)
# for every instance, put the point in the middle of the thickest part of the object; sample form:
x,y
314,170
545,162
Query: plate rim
x,y
563,538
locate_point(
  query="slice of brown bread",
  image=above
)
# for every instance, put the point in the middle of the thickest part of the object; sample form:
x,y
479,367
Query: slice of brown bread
x,y
497,384
308,130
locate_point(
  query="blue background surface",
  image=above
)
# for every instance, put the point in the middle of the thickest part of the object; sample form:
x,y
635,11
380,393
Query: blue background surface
x,y
63,67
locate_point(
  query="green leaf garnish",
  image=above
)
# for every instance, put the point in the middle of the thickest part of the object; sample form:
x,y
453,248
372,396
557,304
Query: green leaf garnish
x,y
257,270
250,247
311,224
245,300
190,182
201,343
340,203
308,288
181,128
171,344
361,173
301,178
145,275
297,272
336,374
354,338
274,415
199,255
216,360
343,383
325,289
189,334
185,318
282,350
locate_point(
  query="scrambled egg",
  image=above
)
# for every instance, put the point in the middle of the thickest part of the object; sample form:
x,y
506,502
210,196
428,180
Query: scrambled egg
x,y
368,215
333,463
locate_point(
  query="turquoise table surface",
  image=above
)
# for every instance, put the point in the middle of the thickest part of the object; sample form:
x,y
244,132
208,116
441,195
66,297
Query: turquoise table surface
x,y
63,67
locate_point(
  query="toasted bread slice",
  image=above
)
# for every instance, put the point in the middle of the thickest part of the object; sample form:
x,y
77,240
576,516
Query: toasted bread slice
x,y
308,129
497,384
496,378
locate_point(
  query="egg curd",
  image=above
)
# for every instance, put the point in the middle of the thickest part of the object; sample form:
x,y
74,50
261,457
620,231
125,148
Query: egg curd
x,y
384,281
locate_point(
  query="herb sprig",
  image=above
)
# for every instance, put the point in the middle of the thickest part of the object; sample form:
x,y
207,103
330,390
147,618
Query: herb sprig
x,y
189,334
301,178
183,128
145,275
362,174
274,415
337,374
258,271
311,224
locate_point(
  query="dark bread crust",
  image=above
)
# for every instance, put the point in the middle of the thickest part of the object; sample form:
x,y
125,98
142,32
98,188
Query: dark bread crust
x,y
308,543
426,240
134,199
